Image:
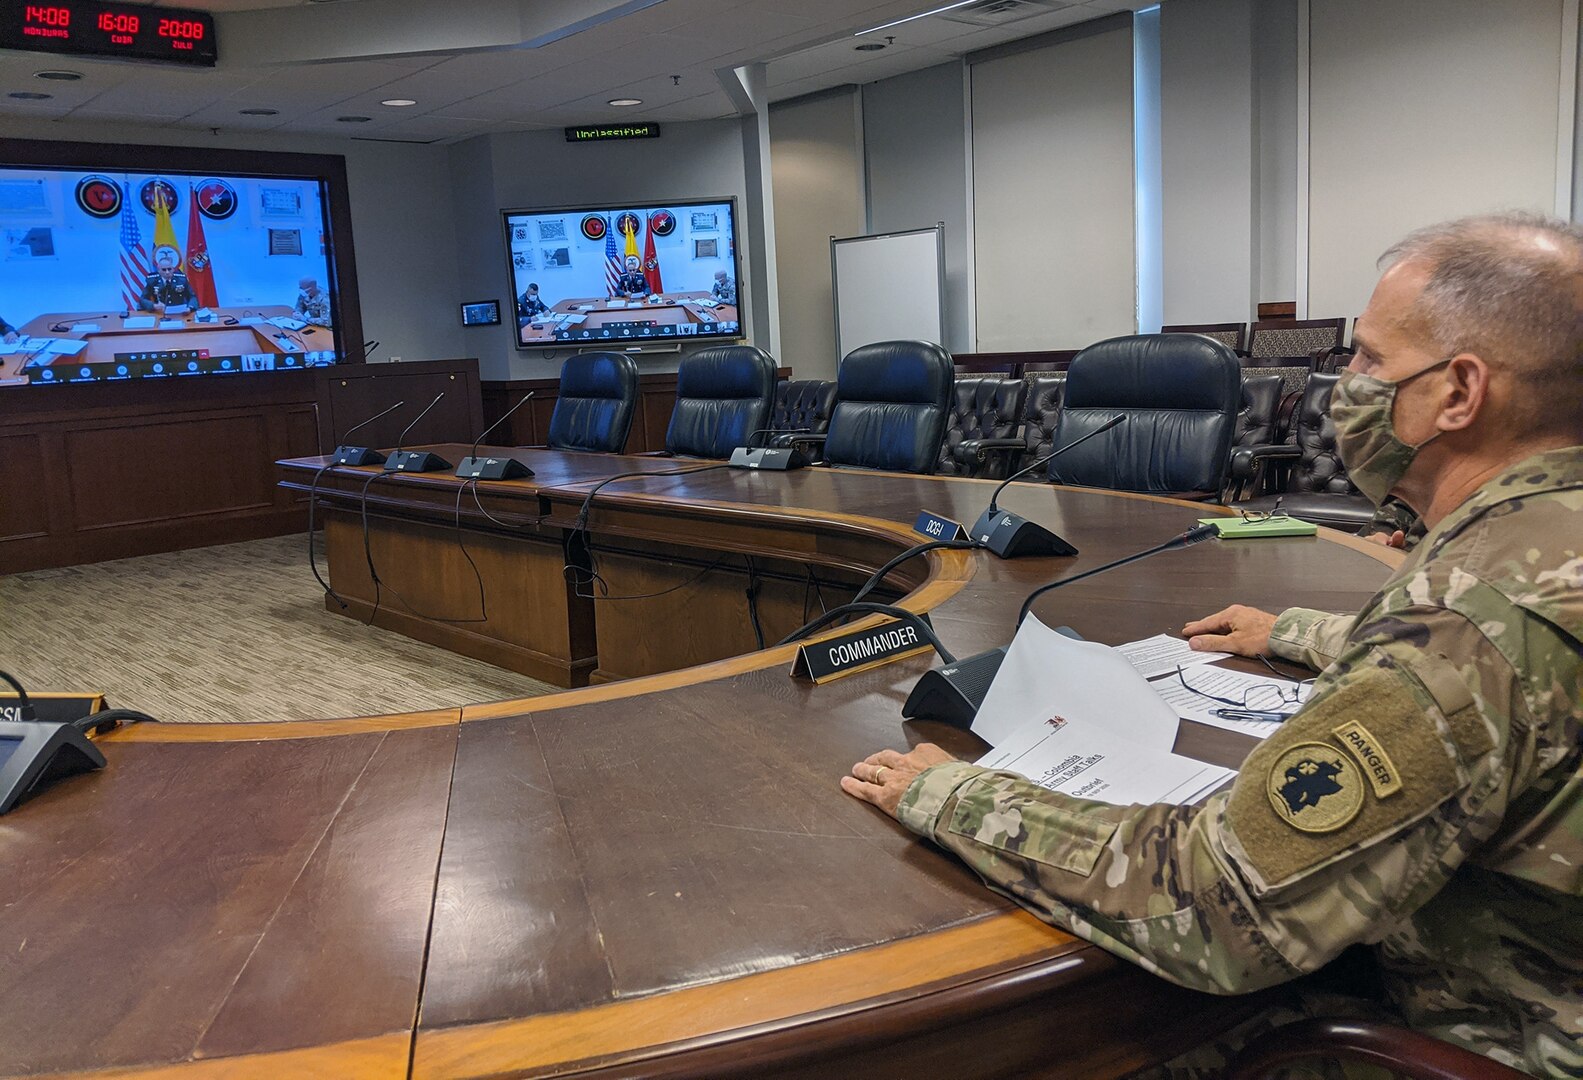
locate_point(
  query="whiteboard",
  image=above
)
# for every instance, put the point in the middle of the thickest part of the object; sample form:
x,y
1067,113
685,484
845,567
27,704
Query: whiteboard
x,y
889,287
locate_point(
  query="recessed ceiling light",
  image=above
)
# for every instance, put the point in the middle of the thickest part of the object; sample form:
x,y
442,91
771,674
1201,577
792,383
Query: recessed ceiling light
x,y
58,76
871,46
624,102
258,112
353,119
29,95
398,102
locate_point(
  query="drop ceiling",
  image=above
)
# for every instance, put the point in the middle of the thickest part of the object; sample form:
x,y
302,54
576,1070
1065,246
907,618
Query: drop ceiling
x,y
666,53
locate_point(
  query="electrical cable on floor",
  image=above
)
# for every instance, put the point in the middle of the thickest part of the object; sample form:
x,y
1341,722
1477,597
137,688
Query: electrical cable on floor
x,y
754,585
380,585
313,562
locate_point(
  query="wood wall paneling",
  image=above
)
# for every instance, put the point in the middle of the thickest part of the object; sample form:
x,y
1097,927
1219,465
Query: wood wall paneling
x,y
24,499
354,394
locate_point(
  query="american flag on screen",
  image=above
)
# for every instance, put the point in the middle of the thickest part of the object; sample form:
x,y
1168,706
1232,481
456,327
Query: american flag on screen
x,y
613,264
134,259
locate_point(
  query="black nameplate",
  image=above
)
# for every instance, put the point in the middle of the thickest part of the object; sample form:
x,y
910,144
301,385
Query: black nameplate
x,y
857,651
936,527
53,708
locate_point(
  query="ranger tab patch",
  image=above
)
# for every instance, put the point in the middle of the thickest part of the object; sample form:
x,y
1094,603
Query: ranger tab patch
x,y
1376,763
1314,789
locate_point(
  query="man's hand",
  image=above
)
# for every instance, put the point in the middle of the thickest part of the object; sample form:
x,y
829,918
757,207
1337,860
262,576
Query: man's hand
x,y
883,778
159,309
10,336
1397,539
1238,629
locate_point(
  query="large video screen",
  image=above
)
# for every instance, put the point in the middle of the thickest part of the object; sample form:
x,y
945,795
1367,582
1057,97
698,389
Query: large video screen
x,y
642,272
112,275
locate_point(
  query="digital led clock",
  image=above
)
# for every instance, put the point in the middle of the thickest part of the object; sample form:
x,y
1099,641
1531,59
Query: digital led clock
x,y
96,28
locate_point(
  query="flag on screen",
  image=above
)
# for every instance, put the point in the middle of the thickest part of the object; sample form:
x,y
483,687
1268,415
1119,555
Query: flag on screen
x,y
134,257
631,232
200,274
612,260
164,232
651,262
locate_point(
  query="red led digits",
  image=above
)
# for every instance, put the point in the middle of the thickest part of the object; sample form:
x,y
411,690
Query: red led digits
x,y
42,15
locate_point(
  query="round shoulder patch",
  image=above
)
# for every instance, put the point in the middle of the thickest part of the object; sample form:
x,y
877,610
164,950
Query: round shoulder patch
x,y
1315,788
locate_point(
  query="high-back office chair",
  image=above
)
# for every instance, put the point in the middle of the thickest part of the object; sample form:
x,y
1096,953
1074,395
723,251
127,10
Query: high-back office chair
x,y
1230,334
1261,408
1180,393
599,394
1315,487
981,409
802,405
891,403
1397,1050
723,399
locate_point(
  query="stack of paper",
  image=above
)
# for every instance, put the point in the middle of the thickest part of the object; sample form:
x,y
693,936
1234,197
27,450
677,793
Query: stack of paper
x,y
1075,717
1260,691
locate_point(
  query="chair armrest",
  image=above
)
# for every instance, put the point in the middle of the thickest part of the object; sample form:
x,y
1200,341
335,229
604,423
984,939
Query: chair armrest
x,y
1245,460
980,449
1406,1053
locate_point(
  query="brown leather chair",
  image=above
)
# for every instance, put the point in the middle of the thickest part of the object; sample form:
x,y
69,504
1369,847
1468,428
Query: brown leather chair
x,y
1041,409
1403,1052
981,409
801,405
1315,485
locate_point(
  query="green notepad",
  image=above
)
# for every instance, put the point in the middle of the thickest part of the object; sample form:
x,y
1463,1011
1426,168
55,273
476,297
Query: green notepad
x,y
1234,528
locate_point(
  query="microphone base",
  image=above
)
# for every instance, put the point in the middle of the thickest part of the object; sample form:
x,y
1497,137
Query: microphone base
x,y
952,694
767,459
415,461
1012,536
491,468
357,455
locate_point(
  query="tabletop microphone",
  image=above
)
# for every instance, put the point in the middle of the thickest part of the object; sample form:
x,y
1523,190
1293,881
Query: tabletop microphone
x,y
474,467
415,461
953,694
368,348
362,455
768,458
1012,536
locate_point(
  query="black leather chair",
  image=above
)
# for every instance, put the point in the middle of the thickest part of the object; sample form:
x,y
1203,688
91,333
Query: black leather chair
x,y
802,405
981,409
1315,485
723,399
1261,407
599,394
892,398
1181,394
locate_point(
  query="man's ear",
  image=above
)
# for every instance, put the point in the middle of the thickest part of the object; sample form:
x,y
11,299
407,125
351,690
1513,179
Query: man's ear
x,y
1467,392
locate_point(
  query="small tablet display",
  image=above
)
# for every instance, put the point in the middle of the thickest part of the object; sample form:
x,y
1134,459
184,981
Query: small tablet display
x,y
481,313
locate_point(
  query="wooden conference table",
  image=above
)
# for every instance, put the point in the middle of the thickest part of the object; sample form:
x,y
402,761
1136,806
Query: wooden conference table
x,y
673,309
649,877
113,337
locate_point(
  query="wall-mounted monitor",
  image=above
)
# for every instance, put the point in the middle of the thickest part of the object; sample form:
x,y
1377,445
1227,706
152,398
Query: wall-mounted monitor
x,y
123,263
632,273
481,313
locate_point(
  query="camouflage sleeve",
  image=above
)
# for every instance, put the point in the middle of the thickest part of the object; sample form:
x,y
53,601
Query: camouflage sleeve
x,y
1310,637
1336,828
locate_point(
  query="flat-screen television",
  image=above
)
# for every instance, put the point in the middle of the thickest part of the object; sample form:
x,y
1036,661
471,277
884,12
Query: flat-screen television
x,y
155,262
631,273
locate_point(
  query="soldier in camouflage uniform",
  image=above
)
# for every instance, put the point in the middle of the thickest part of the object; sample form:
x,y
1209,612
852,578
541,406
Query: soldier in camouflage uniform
x,y
1428,798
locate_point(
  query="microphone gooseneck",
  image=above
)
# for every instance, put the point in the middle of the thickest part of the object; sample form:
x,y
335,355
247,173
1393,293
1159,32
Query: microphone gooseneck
x,y
371,419
402,438
1187,539
502,420
1119,418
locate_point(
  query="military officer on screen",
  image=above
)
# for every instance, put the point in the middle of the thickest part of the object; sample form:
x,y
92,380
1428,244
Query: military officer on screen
x,y
724,289
313,303
529,305
632,282
1428,798
167,287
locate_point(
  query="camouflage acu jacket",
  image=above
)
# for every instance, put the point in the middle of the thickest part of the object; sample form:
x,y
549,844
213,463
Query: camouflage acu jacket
x,y
1427,800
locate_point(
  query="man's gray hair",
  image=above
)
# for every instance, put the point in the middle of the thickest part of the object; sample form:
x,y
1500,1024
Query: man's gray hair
x,y
1509,288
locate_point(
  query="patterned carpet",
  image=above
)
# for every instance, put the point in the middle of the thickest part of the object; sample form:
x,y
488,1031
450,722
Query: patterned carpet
x,y
225,634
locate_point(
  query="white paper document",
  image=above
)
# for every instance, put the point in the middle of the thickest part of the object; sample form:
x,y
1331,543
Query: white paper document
x,y
138,322
1163,653
86,328
171,324
1046,673
9,347
1261,691
286,322
1085,761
